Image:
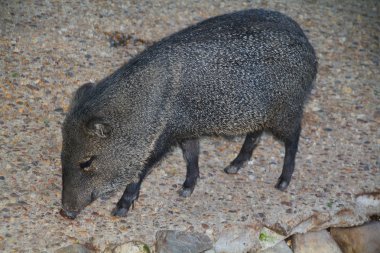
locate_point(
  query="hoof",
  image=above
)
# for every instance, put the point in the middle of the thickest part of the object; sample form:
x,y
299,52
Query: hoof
x,y
68,214
282,184
185,192
119,212
232,169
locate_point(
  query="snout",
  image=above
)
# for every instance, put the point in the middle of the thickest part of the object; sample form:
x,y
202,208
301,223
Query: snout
x,y
68,214
72,205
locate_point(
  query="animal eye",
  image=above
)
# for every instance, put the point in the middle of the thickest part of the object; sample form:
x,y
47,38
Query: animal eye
x,y
86,163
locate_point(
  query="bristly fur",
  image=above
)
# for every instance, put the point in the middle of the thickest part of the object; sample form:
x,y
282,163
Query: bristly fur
x,y
240,73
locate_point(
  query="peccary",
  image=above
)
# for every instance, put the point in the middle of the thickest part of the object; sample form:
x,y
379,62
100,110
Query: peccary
x,y
240,73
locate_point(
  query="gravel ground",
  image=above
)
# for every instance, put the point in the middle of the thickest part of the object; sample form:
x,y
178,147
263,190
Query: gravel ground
x,y
49,48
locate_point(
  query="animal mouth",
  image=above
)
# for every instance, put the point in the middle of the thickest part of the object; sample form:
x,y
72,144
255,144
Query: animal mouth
x,y
72,214
94,195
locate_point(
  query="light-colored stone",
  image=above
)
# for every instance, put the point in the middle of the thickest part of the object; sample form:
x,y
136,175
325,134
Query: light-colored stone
x,y
132,247
171,241
129,247
239,239
316,222
369,202
315,242
268,238
280,247
361,239
74,248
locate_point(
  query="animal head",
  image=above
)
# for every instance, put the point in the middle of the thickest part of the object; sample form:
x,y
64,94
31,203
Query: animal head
x,y
93,163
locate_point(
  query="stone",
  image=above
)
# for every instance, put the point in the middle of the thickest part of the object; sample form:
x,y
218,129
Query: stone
x,y
315,242
280,247
132,247
172,241
360,239
268,238
74,248
239,239
129,247
369,202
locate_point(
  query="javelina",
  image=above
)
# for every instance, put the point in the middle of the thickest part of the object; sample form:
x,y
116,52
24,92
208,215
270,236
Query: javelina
x,y
239,73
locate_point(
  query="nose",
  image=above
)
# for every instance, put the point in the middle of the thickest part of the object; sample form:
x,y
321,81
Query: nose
x,y
68,214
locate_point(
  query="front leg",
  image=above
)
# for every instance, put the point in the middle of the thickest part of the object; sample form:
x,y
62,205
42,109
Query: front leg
x,y
190,149
130,194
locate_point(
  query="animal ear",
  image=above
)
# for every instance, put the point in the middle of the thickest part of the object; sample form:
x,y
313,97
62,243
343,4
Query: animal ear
x,y
98,127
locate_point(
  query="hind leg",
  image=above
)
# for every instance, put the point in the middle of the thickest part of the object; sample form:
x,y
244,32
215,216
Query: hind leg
x,y
190,149
250,143
291,147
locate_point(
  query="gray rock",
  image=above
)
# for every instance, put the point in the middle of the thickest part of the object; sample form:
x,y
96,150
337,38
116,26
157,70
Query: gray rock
x,y
369,203
129,247
171,241
281,247
315,242
239,240
74,248
268,238
361,239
